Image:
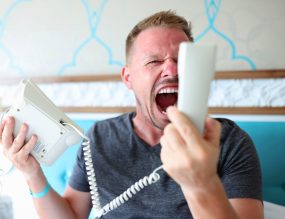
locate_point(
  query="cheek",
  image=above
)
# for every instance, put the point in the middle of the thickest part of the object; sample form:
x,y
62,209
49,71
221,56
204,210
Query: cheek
x,y
143,82
143,91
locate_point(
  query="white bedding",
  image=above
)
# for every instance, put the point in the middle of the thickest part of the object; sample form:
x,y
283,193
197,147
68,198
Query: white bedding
x,y
273,211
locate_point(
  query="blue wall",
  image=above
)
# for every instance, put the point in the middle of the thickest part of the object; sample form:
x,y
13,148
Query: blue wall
x,y
269,138
58,173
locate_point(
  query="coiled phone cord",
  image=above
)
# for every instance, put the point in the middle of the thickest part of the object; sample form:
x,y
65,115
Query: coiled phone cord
x,y
136,187
119,200
91,175
89,170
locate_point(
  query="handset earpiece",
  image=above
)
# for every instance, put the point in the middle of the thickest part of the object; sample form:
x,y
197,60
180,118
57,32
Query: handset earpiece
x,y
196,69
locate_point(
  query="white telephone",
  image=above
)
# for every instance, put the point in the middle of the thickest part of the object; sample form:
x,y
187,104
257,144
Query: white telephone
x,y
56,131
33,107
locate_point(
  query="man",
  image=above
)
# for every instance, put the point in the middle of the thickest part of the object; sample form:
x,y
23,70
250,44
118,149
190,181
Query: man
x,y
214,175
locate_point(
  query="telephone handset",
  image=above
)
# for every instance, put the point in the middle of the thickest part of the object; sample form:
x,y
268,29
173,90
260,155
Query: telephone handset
x,y
196,70
56,131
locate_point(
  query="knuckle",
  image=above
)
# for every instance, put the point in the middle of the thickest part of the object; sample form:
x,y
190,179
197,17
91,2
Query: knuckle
x,y
6,139
16,142
31,144
24,129
8,143
25,149
202,156
187,130
18,158
189,165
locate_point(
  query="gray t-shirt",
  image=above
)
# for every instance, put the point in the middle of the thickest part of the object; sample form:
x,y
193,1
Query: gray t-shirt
x,y
121,158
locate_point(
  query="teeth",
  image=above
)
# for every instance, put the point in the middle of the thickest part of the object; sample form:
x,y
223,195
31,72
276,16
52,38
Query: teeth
x,y
168,91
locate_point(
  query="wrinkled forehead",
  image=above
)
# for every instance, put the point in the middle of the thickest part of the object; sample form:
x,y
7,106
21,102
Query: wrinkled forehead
x,y
158,41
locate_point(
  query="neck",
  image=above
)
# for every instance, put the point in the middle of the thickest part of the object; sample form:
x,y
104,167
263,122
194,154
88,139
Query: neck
x,y
146,130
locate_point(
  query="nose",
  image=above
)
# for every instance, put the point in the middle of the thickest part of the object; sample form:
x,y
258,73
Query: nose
x,y
169,67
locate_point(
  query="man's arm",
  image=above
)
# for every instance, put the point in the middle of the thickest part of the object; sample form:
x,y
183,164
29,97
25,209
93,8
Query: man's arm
x,y
191,160
79,202
51,205
212,202
73,205
248,208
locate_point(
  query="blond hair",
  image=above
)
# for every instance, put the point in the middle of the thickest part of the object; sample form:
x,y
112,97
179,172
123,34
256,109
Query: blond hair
x,y
167,19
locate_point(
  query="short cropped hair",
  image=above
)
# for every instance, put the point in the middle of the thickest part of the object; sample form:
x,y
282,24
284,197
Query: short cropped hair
x,y
168,19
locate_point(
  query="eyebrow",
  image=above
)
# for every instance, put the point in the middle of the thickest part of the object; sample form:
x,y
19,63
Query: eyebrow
x,y
150,57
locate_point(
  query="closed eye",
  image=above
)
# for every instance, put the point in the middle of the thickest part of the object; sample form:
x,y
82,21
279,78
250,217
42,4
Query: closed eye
x,y
153,62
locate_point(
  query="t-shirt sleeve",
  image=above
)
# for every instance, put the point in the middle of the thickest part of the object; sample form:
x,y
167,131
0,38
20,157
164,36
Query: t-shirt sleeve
x,y
239,166
78,179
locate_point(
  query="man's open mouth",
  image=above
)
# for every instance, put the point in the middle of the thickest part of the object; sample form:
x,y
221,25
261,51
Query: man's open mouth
x,y
166,97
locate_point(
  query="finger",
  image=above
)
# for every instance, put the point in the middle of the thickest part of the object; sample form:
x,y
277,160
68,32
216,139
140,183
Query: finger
x,y
20,139
28,147
185,127
1,129
166,153
212,131
7,135
173,137
175,152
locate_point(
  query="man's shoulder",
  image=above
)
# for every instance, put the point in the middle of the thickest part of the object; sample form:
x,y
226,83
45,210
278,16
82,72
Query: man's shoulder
x,y
120,122
232,132
119,119
229,126
226,123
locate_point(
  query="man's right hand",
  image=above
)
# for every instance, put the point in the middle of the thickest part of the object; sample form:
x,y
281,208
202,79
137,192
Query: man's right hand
x,y
17,150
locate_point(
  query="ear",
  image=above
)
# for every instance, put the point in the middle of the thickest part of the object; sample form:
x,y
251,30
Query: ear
x,y
126,77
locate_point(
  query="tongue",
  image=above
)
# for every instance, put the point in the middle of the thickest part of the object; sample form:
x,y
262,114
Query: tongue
x,y
166,100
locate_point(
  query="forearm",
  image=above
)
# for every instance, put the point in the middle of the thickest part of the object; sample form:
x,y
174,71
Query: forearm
x,y
51,205
210,201
18,151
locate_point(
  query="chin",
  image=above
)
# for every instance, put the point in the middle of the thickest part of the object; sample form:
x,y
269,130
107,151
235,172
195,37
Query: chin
x,y
161,122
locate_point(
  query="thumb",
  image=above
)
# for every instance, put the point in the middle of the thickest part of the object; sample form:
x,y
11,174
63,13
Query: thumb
x,y
212,131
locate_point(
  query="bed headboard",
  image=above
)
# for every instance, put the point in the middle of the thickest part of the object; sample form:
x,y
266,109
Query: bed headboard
x,y
259,89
